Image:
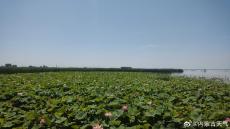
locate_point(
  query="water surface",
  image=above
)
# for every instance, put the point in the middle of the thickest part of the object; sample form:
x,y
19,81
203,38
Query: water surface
x,y
223,74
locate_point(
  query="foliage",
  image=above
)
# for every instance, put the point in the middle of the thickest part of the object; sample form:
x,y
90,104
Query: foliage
x,y
136,100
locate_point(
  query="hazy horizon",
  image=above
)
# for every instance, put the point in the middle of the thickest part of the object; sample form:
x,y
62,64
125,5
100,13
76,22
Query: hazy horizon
x,y
142,34
58,66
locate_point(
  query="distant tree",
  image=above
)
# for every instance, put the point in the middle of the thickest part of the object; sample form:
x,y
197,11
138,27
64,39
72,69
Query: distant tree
x,y
8,65
31,66
44,66
15,66
126,68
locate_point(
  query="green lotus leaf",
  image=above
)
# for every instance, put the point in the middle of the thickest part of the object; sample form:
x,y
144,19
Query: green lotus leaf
x,y
80,115
75,127
8,124
115,122
60,120
31,115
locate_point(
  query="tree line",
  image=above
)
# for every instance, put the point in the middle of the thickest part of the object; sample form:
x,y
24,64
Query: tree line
x,y
9,68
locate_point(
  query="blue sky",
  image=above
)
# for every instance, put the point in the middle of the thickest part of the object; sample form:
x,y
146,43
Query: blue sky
x,y
114,33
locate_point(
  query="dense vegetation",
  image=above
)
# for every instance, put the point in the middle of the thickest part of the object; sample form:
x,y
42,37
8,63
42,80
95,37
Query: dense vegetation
x,y
32,69
109,100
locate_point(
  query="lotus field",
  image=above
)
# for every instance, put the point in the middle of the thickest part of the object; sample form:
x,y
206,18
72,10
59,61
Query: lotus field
x,y
104,100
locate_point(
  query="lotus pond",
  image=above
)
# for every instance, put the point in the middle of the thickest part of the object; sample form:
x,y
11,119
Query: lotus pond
x,y
103,100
